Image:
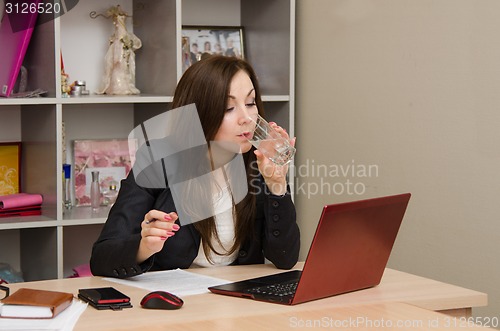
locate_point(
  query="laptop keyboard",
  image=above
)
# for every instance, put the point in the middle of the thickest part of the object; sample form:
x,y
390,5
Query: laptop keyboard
x,y
280,290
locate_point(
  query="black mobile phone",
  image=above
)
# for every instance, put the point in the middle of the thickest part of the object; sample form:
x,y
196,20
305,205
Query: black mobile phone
x,y
103,296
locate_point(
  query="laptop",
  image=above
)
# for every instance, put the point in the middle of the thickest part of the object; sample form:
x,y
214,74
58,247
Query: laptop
x,y
349,252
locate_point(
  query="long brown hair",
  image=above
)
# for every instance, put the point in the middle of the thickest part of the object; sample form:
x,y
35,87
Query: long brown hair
x,y
207,85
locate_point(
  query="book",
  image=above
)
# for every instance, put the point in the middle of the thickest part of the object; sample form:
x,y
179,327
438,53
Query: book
x,y
15,34
21,211
19,200
33,303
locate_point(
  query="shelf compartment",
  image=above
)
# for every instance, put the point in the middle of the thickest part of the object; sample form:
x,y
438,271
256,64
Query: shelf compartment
x,y
38,160
39,253
155,23
81,237
269,55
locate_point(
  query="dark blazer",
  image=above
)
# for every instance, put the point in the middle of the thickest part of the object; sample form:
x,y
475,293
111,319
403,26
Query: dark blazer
x,y
114,253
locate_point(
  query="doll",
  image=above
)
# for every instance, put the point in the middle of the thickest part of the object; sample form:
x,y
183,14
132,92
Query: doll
x,y
119,73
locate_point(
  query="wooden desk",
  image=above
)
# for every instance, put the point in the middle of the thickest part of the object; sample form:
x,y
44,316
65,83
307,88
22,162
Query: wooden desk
x,y
382,316
397,297
396,286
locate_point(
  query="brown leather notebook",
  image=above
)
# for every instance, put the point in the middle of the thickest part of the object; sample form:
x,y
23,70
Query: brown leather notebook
x,y
32,303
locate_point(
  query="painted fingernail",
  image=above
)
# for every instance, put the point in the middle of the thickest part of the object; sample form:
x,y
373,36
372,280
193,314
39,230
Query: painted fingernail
x,y
168,218
163,238
175,227
170,234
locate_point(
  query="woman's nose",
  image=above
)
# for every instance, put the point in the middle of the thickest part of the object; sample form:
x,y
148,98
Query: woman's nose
x,y
243,119
243,115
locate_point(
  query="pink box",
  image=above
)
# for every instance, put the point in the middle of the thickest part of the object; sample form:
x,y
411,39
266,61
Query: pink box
x,y
20,200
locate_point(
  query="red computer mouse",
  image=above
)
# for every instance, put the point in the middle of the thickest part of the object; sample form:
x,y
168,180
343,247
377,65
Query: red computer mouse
x,y
161,300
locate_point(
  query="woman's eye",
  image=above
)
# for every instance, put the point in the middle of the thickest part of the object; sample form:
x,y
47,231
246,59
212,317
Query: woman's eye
x,y
251,104
229,109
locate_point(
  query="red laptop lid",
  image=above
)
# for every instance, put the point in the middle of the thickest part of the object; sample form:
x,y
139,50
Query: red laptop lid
x,y
351,247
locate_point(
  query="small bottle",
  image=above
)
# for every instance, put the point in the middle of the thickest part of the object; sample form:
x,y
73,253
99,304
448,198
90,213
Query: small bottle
x,y
110,194
95,191
67,186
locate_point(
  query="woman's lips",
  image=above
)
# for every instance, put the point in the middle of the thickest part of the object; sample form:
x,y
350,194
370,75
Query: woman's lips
x,y
246,135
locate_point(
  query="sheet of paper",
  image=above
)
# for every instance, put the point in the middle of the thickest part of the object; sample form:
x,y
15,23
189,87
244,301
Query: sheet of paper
x,y
65,321
178,282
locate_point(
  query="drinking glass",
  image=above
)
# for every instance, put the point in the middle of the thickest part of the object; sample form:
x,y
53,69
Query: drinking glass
x,y
269,141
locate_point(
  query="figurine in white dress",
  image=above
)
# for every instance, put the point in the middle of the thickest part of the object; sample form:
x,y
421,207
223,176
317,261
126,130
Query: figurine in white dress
x,y
119,74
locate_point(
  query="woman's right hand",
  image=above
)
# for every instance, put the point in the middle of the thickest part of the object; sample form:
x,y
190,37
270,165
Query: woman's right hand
x,y
157,227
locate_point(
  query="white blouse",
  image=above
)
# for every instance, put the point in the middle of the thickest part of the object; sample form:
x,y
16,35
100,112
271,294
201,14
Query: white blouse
x,y
224,221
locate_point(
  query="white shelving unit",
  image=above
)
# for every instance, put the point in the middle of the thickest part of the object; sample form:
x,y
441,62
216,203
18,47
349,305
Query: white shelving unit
x,y
50,245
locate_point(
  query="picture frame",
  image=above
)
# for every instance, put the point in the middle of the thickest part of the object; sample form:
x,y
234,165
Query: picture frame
x,y
113,158
202,41
10,168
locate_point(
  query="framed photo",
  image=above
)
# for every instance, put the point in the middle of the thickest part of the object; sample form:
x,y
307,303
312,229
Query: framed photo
x,y
10,168
203,41
112,158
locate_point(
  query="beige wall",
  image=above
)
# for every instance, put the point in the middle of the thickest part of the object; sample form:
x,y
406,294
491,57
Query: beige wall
x,y
411,87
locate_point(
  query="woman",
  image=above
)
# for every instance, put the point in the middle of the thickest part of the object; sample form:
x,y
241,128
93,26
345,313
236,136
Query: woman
x,y
143,232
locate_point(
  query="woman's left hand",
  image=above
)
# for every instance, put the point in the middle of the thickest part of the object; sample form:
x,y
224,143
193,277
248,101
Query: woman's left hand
x,y
274,175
